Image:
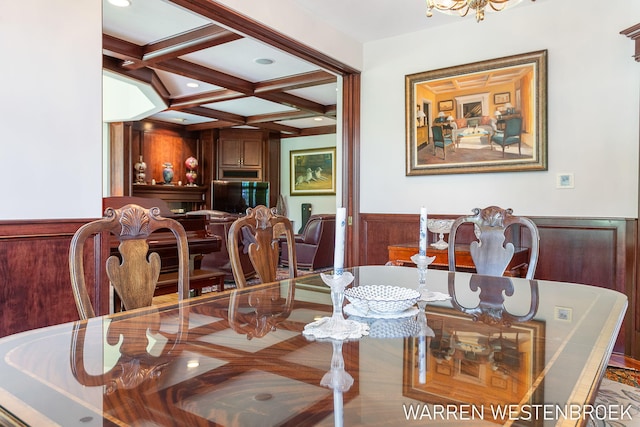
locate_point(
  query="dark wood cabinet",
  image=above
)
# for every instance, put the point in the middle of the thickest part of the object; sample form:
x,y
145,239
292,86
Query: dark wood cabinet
x,y
240,155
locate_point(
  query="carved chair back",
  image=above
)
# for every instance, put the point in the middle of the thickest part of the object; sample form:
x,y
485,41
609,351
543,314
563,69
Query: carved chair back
x,y
135,273
255,232
490,254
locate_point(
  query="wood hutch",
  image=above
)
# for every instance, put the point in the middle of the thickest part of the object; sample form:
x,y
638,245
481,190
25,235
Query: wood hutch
x,y
227,154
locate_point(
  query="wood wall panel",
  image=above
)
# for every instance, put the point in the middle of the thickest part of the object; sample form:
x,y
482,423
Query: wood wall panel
x,y
36,291
34,274
599,252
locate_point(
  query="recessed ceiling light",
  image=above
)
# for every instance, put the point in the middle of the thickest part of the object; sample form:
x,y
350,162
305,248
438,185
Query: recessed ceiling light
x,y
120,3
318,119
193,84
264,61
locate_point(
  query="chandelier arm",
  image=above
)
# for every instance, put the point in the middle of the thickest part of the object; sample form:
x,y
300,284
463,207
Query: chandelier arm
x,y
502,3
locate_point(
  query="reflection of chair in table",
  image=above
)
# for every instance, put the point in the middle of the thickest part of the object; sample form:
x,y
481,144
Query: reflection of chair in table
x,y
441,343
506,353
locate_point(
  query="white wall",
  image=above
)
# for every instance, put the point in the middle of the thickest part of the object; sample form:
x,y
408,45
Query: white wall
x,y
50,112
593,111
319,204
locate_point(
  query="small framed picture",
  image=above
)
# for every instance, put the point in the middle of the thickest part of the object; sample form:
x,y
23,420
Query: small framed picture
x,y
445,105
313,172
502,98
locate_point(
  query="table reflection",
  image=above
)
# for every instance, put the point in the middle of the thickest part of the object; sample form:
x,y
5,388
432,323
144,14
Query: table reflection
x,y
190,363
491,308
258,313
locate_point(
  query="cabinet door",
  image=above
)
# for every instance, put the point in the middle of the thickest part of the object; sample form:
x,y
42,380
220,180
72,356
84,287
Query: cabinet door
x,y
240,157
252,154
230,153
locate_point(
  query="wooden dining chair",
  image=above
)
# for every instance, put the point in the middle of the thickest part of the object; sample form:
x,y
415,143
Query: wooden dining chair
x,y
134,273
490,254
255,233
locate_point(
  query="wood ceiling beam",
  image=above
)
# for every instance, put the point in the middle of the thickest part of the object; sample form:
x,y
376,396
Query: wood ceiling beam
x,y
207,75
144,75
188,42
129,53
276,117
289,130
214,114
320,130
293,101
232,19
313,78
220,124
206,98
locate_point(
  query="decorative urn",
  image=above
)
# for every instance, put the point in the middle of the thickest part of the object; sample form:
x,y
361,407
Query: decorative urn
x,y
192,165
167,173
140,169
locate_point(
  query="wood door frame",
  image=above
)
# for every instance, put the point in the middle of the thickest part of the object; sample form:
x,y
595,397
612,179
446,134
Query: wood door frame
x,y
350,99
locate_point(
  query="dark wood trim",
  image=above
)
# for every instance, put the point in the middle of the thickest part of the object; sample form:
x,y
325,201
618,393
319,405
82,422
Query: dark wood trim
x,y
594,251
254,29
351,164
634,34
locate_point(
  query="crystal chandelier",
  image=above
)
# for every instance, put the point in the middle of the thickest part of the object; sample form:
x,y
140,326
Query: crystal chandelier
x,y
462,7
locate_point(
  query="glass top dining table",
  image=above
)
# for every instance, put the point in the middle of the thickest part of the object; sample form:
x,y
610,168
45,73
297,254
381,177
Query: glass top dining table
x,y
505,351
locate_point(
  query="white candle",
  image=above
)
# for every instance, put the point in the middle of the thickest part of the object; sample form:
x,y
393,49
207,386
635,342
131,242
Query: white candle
x,y
422,359
338,255
423,231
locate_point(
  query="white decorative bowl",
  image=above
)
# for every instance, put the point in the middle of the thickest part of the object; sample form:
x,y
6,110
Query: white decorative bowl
x,y
381,298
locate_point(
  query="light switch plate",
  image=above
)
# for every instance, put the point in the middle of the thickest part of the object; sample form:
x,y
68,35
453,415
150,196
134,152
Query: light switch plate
x,y
563,313
564,180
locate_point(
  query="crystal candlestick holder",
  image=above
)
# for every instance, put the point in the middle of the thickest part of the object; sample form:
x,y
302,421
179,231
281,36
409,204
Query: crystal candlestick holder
x,y
339,380
422,262
336,326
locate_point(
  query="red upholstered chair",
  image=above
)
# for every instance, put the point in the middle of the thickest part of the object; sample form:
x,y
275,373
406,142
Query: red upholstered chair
x,y
314,246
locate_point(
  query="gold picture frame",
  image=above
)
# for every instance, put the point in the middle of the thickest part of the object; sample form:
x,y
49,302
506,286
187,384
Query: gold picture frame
x,y
445,105
313,172
481,108
470,363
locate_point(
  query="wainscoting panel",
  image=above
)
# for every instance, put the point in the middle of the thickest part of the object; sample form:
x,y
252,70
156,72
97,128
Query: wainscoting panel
x,y
35,288
599,252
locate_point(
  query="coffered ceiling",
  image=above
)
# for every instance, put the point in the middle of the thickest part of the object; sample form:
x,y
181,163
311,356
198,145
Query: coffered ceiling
x,y
170,45
205,76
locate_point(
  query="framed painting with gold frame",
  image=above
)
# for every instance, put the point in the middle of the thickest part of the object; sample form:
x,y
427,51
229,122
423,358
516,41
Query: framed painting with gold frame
x,y
313,172
471,363
480,98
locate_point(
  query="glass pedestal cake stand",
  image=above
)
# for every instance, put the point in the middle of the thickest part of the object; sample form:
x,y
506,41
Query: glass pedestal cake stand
x,y
440,227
